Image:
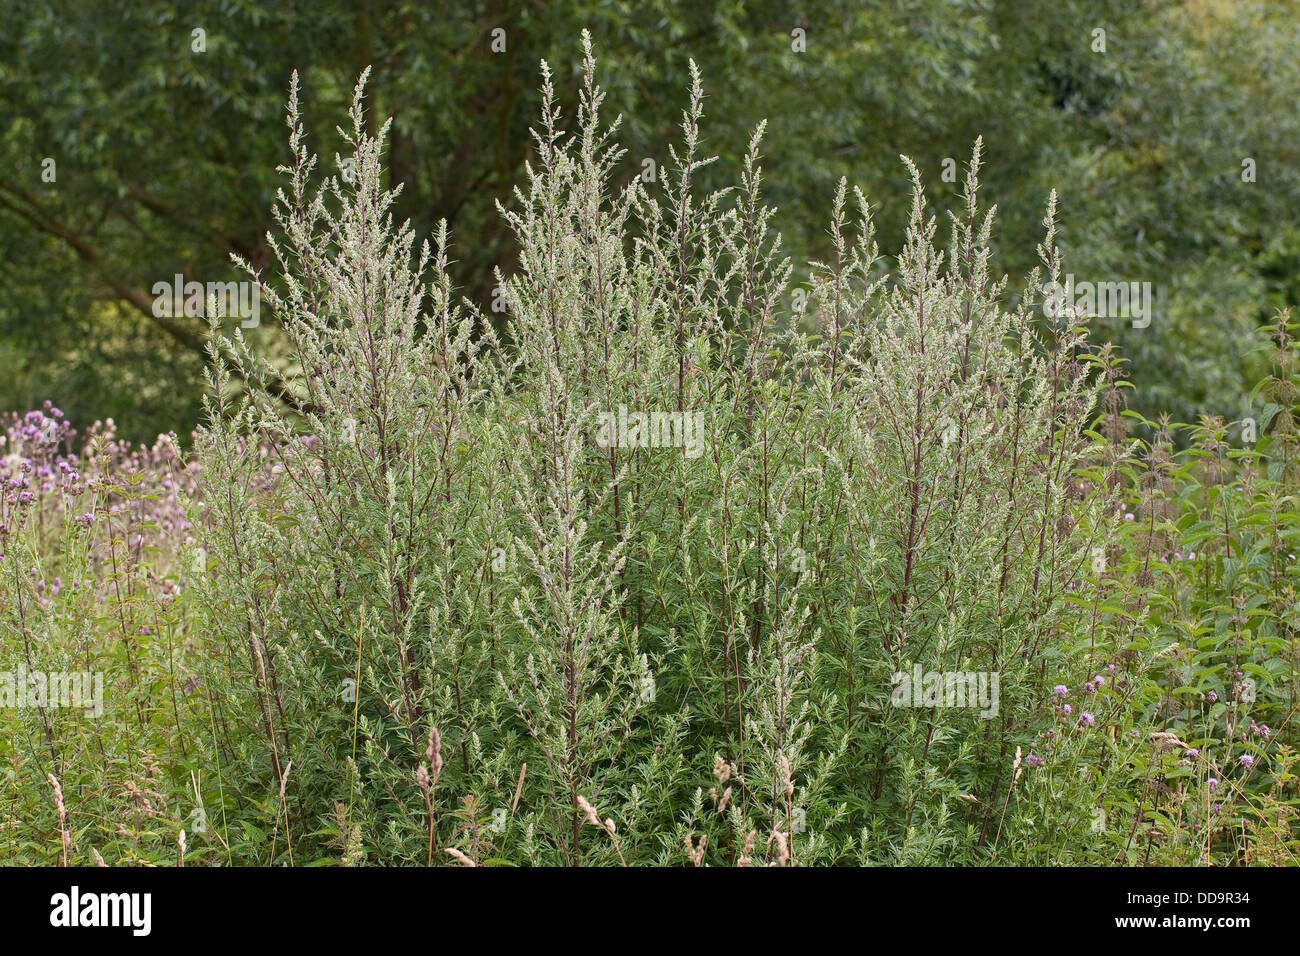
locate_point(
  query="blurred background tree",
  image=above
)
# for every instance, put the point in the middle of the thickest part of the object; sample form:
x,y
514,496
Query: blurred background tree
x,y
164,143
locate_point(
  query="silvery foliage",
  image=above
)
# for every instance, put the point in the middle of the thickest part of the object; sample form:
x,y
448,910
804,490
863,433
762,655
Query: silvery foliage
x,y
697,648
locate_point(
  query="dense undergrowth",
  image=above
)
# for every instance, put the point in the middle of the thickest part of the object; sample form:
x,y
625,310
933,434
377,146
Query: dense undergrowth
x,y
453,602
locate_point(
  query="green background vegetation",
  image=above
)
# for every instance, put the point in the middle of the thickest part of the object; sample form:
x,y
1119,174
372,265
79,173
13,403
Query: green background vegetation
x,y
166,158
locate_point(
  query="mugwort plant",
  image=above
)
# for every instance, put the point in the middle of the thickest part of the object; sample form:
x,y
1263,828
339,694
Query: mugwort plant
x,y
636,573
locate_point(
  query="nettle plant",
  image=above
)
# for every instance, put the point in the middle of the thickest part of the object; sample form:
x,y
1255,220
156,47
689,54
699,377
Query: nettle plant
x,y
637,581
1210,567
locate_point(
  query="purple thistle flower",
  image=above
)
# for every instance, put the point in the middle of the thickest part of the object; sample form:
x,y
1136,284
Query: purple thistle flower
x,y
1246,760
1060,690
1086,719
